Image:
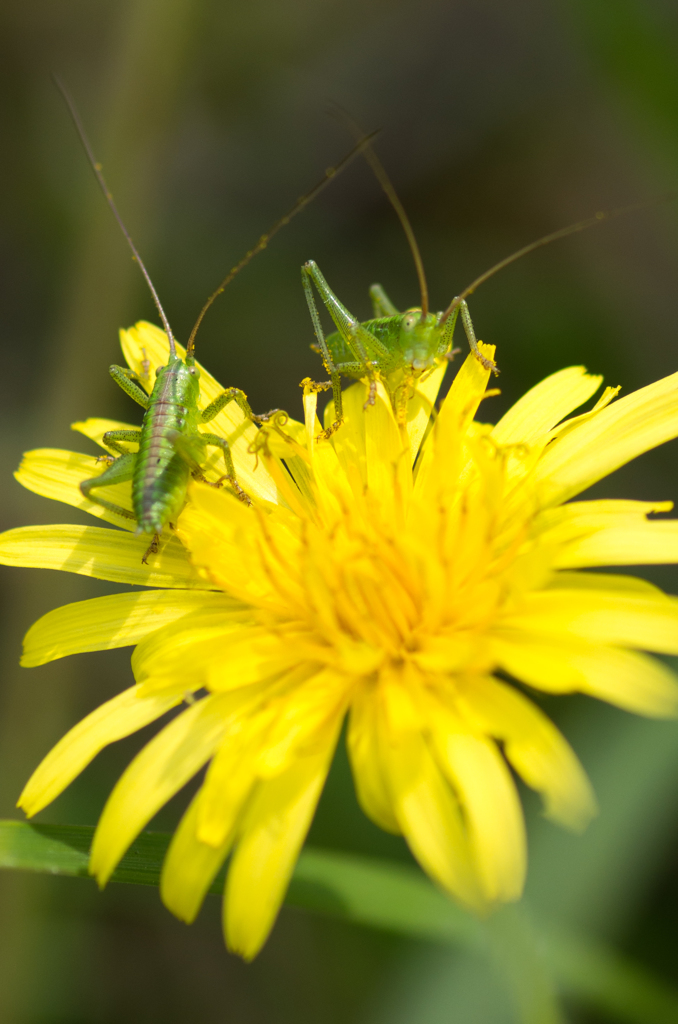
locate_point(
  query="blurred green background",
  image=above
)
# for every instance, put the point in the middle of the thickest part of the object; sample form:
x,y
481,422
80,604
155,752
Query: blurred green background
x,y
500,122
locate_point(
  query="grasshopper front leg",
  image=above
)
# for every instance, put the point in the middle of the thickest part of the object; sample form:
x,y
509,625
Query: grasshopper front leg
x,y
240,399
127,380
448,331
112,438
360,342
224,399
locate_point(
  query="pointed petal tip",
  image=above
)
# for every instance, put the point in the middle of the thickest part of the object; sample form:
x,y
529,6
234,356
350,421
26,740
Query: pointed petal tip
x,y
180,915
246,948
574,818
30,803
174,898
98,868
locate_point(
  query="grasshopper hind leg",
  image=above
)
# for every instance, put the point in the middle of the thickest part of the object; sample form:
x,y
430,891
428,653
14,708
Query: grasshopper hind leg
x,y
119,472
333,371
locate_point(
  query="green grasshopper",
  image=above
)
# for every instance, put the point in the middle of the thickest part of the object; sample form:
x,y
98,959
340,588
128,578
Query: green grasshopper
x,y
171,448
397,348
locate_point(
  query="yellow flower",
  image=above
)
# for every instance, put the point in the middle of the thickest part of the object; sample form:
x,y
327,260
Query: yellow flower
x,y
395,574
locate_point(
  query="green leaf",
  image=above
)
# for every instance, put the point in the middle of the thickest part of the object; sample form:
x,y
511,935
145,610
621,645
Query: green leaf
x,y
400,899
380,894
64,850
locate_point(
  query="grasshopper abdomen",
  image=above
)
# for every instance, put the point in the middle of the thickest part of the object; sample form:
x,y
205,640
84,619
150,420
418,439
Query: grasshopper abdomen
x,y
161,474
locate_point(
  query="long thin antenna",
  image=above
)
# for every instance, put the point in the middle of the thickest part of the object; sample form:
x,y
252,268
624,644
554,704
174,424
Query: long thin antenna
x,y
572,229
303,201
387,185
96,167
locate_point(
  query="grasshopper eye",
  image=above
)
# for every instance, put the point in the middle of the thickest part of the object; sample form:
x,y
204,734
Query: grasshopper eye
x,y
409,320
191,370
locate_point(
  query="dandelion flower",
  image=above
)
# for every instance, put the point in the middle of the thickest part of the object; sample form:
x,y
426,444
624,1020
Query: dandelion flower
x,y
405,577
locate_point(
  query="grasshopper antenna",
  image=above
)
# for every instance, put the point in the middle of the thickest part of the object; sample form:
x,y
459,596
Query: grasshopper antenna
x,y
572,229
387,185
331,172
96,167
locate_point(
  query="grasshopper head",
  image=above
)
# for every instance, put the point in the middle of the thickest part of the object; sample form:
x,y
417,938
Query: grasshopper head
x,y
188,371
419,339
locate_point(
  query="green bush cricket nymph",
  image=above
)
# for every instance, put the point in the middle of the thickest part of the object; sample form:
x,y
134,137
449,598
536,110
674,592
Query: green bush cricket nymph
x,y
171,447
400,348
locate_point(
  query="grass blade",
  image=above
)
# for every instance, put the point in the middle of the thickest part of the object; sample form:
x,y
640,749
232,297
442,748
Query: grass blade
x,y
379,894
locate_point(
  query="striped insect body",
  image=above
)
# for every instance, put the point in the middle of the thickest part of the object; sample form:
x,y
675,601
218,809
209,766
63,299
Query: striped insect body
x,y
171,448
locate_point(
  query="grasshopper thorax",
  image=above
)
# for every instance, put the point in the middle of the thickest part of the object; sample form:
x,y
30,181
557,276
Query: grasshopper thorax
x,y
178,381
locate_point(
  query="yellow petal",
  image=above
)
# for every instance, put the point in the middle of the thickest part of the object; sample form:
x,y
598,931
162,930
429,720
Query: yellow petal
x,y
145,348
420,406
57,474
185,652
577,518
104,554
535,748
233,545
607,440
649,543
429,816
154,776
349,440
300,446
603,581
228,782
363,747
114,720
648,621
491,806
544,405
387,453
115,621
232,773
609,532
630,680
468,387
273,831
305,714
189,867
249,656
444,452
